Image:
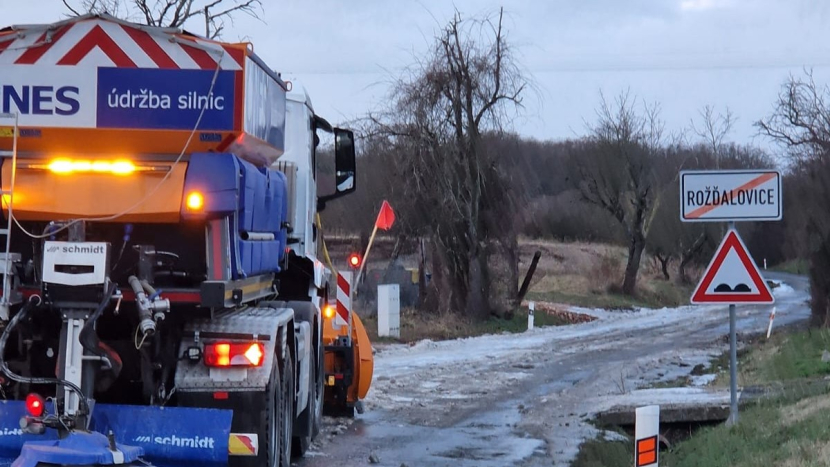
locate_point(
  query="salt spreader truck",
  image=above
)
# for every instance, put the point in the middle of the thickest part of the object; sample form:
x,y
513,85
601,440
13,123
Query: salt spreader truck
x,y
162,298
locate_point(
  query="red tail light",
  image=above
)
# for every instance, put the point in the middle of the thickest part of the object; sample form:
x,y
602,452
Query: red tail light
x,y
35,404
223,354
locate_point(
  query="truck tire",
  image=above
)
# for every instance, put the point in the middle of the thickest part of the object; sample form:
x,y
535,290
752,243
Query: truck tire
x,y
286,410
313,413
266,422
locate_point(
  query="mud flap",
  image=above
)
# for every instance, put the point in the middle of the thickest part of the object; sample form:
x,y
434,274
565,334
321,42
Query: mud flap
x,y
169,436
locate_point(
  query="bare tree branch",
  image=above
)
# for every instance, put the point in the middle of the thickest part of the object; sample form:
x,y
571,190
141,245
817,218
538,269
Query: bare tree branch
x,y
713,129
172,13
69,7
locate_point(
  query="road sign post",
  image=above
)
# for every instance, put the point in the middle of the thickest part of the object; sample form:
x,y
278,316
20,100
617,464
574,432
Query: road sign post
x,y
732,277
733,359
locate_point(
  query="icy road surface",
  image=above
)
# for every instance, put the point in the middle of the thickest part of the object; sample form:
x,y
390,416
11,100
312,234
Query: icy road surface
x,y
525,399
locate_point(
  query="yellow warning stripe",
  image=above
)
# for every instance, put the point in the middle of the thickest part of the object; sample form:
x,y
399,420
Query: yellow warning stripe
x,y
243,445
255,287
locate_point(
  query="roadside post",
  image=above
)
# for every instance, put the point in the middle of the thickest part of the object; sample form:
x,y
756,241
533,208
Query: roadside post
x,y
531,307
647,436
732,277
771,319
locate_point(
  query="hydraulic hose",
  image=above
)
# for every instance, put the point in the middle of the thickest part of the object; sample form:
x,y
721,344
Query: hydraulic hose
x,y
91,342
4,368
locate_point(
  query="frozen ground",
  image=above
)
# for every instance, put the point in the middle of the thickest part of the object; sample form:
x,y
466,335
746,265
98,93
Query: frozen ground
x,y
525,399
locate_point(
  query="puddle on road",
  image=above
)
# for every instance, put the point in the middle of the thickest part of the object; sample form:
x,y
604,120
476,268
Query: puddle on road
x,y
486,440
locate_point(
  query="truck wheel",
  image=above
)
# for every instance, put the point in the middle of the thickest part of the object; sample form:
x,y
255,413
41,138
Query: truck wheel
x,y
317,424
314,411
286,418
266,422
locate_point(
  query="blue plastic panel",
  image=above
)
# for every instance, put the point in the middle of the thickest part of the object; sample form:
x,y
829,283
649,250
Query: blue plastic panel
x,y
180,436
256,200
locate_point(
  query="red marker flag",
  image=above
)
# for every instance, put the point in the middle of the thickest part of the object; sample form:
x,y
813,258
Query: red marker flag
x,y
386,217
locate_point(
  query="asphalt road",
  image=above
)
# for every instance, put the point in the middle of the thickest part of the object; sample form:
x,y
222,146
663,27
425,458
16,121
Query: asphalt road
x,y
525,400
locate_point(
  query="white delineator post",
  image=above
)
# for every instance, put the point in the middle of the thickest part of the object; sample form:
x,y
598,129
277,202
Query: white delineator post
x,y
771,318
647,436
531,307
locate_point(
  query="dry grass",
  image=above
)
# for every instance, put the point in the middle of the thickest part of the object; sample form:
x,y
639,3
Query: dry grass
x,y
575,273
804,409
590,275
815,453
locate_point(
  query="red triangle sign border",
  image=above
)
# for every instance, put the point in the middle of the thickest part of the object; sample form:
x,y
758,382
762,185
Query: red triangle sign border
x,y
732,241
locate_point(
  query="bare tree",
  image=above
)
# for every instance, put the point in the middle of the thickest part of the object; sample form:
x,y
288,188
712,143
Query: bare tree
x,y
622,175
713,129
171,13
801,119
437,123
800,122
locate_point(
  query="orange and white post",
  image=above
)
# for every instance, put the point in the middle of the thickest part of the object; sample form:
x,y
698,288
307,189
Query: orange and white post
x,y
647,436
771,319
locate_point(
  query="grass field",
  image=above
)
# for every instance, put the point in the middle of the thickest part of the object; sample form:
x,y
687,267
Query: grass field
x,y
590,275
795,266
792,429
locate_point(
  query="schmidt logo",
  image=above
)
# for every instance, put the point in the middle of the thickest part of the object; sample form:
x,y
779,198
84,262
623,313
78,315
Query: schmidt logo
x,y
53,249
80,249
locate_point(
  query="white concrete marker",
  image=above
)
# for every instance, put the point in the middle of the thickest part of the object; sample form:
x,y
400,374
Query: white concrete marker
x,y
771,318
646,436
530,307
389,310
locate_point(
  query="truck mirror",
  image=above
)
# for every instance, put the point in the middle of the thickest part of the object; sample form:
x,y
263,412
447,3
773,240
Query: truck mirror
x,y
344,160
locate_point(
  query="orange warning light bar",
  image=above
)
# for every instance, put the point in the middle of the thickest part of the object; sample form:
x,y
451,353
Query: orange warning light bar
x,y
66,166
69,166
646,451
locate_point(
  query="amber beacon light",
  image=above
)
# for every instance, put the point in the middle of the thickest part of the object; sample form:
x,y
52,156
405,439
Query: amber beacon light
x,y
195,201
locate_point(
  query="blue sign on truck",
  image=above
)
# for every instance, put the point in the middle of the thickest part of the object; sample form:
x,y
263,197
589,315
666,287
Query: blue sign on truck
x,y
165,99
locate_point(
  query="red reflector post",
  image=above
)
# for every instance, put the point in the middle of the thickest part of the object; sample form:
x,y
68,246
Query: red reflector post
x,y
224,354
35,404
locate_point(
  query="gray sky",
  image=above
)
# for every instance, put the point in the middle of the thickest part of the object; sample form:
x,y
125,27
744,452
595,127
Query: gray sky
x,y
682,53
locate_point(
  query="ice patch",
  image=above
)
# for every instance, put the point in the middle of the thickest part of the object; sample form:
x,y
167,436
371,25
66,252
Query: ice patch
x,y
614,436
703,380
783,290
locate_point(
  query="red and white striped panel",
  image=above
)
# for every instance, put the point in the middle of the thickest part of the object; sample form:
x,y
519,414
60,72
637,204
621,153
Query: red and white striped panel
x,y
344,299
101,42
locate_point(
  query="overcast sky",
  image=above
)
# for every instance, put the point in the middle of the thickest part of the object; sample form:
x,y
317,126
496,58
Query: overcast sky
x,y
682,53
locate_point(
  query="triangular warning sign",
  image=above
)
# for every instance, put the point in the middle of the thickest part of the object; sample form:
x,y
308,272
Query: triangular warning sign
x,y
732,277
